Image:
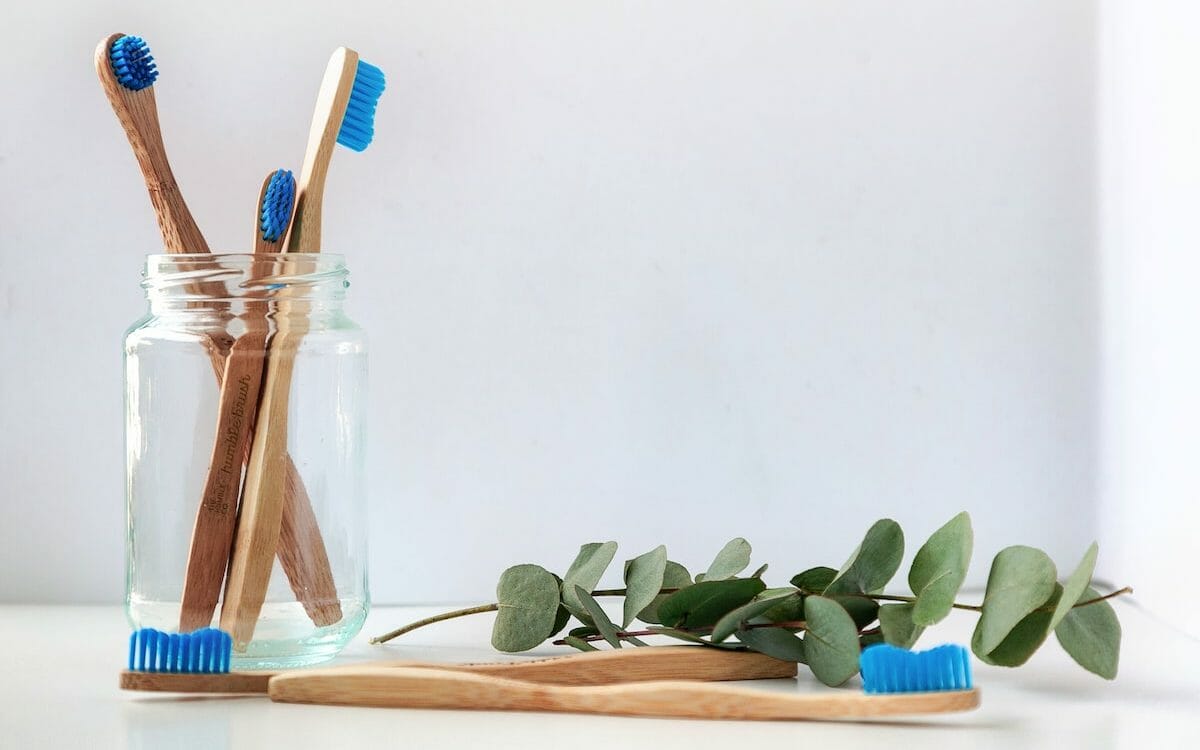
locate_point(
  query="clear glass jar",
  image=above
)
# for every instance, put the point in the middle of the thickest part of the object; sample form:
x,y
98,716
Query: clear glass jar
x,y
297,367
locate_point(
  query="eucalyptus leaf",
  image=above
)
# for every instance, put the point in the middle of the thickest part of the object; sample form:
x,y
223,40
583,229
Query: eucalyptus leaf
x,y
585,572
702,604
527,596
939,568
731,560
873,563
583,631
775,642
579,643
862,610
896,622
787,609
1092,636
644,577
674,577
1020,581
599,617
1025,638
1075,585
733,619
758,573
830,641
563,616
814,580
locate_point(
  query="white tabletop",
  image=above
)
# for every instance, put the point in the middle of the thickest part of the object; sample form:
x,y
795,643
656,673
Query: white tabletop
x,y
62,693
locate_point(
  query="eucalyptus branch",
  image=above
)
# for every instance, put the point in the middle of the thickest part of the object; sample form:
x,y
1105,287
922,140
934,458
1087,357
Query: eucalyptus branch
x,y
435,618
789,625
534,605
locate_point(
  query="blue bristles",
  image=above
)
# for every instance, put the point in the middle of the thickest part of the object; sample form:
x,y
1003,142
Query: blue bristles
x,y
358,126
887,669
277,202
132,63
204,651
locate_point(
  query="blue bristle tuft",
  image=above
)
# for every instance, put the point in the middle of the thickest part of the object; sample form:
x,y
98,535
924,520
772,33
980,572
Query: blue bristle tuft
x,y
132,63
277,202
202,652
888,669
358,125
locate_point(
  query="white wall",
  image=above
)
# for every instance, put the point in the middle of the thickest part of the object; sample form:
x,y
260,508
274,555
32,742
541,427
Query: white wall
x,y
659,272
1150,121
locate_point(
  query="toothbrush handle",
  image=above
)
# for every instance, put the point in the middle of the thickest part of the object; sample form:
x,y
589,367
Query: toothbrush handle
x,y
433,688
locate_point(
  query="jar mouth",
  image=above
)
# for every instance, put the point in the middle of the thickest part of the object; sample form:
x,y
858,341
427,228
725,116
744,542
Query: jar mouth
x,y
195,277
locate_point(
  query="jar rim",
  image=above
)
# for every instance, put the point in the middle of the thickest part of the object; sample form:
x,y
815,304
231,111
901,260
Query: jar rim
x,y
200,277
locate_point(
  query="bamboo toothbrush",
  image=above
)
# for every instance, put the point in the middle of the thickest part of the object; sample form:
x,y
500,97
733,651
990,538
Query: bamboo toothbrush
x,y
897,682
596,668
127,73
212,534
344,114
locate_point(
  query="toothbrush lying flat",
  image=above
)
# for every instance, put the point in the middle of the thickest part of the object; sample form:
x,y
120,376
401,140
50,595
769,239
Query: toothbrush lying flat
x,y
344,114
897,682
127,73
593,668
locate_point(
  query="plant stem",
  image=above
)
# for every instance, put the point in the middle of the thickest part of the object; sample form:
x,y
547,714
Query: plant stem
x,y
792,624
435,618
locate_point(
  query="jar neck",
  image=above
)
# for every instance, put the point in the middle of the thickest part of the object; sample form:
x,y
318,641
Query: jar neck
x,y
233,284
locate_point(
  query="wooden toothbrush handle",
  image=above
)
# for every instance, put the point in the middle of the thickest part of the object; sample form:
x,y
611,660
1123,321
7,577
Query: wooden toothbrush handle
x,y
434,688
301,549
212,533
637,665
261,515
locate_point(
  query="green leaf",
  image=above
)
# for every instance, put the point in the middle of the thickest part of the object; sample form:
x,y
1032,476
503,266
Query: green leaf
x,y
702,604
814,580
585,572
562,616
584,631
528,605
599,617
1075,585
873,563
862,610
733,619
730,561
675,577
775,642
831,641
1092,636
896,621
643,580
1024,639
787,609
870,639
939,569
759,572
579,643
1020,581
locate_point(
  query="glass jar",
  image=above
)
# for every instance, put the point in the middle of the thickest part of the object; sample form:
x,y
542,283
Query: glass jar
x,y
218,478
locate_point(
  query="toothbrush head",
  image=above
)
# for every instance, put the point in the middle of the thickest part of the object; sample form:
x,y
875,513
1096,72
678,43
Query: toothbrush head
x,y
276,210
132,63
204,651
888,669
358,124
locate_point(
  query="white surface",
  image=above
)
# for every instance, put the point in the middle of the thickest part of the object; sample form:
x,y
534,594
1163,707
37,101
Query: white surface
x,y
819,262
59,691
1150,112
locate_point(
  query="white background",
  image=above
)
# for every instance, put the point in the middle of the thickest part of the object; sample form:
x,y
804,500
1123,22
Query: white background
x,y
657,272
